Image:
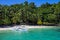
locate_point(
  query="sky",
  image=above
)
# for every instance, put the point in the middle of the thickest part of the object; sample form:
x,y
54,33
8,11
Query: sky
x,y
37,2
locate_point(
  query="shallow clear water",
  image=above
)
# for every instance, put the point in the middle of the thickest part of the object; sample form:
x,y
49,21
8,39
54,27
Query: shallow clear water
x,y
32,34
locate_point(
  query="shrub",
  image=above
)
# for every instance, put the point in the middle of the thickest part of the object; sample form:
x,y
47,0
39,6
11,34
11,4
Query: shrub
x,y
39,22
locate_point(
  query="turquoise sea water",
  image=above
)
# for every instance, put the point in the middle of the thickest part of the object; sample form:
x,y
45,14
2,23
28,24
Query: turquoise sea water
x,y
32,34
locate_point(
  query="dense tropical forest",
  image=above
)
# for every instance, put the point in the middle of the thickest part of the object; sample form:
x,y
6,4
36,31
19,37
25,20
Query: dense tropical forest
x,y
30,14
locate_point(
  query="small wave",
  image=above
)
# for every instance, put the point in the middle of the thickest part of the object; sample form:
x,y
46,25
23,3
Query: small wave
x,y
21,28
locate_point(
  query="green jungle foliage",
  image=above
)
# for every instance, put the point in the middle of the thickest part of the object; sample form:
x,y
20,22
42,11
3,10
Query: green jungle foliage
x,y
29,13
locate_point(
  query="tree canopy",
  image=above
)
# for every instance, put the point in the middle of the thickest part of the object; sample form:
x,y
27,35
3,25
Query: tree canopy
x,y
30,14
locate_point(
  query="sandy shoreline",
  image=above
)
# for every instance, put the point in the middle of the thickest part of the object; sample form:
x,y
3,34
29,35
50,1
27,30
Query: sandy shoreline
x,y
28,27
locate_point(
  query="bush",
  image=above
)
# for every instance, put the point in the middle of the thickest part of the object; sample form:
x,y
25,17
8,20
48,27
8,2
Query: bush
x,y
39,22
45,22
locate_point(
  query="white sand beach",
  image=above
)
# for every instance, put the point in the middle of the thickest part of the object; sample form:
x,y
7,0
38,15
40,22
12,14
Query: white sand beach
x,y
26,26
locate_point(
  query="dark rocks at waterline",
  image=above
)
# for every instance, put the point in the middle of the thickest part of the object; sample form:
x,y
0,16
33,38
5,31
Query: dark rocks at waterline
x,y
50,24
6,25
58,24
11,25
